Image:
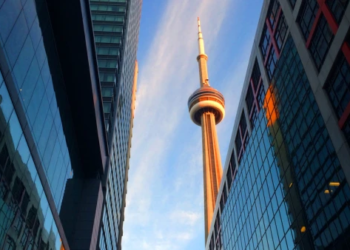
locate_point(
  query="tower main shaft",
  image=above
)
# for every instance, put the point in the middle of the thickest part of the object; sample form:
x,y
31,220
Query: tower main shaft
x,y
212,170
207,108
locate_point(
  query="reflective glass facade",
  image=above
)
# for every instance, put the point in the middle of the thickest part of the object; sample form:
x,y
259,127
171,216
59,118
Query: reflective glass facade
x,y
288,188
26,221
109,19
119,19
33,148
22,44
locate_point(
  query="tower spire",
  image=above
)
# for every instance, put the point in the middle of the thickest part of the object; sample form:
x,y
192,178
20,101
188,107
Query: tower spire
x,y
200,38
207,108
202,58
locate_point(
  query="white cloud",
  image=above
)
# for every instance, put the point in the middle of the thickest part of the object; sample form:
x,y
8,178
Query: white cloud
x,y
185,217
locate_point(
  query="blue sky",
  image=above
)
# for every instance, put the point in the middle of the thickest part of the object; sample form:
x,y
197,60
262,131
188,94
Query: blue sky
x,y
164,207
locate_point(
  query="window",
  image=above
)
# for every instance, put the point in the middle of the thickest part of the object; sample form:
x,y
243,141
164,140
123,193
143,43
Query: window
x,y
25,236
238,143
107,92
337,7
108,18
17,190
281,32
31,217
17,224
107,39
249,99
223,199
100,7
4,155
9,244
261,96
111,64
107,107
265,42
338,85
217,229
231,172
25,202
107,28
108,51
107,77
308,11
211,245
271,63
273,12
256,75
229,177
243,124
115,1
321,42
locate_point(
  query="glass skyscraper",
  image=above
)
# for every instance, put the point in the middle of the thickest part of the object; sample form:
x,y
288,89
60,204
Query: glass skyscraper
x,y
59,188
116,28
34,159
286,177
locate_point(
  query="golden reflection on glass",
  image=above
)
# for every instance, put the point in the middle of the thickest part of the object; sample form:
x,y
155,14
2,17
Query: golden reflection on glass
x,y
270,107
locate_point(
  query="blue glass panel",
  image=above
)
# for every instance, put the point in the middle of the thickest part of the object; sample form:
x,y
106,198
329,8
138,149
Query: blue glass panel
x,y
29,11
5,102
23,149
45,131
59,174
8,16
15,129
50,146
1,78
55,154
32,169
26,90
16,39
45,73
21,67
40,191
49,91
54,109
41,53
35,101
40,119
35,33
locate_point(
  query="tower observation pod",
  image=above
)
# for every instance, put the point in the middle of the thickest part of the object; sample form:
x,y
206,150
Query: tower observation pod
x,y
207,108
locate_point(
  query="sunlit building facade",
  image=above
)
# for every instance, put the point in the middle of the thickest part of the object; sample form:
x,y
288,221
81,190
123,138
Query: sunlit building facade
x,y
286,177
116,28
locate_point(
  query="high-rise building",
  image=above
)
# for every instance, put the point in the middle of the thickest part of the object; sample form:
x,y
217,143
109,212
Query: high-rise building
x,y
116,27
286,178
61,168
207,108
50,102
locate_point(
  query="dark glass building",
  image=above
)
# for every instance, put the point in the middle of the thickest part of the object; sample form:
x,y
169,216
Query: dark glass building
x,y
287,174
116,27
63,157
49,103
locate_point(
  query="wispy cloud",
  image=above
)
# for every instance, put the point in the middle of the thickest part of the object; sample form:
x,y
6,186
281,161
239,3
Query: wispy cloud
x,y
165,194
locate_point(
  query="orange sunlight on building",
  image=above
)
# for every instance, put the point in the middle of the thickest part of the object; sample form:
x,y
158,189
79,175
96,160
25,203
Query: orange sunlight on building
x,y
62,247
270,107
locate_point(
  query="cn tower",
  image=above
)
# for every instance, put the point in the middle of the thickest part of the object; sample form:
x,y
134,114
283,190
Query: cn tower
x,y
207,108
